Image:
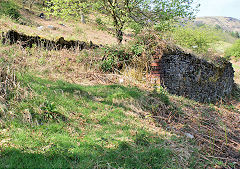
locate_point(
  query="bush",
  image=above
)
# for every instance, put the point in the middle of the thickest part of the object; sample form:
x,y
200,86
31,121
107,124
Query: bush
x,y
9,8
136,54
234,50
99,21
114,58
198,39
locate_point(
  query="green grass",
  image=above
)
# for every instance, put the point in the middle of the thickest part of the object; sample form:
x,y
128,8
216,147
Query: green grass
x,y
233,51
198,39
9,8
96,130
62,125
221,46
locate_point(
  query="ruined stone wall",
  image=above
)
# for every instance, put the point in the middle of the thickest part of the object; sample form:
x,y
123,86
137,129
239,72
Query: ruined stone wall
x,y
12,37
186,75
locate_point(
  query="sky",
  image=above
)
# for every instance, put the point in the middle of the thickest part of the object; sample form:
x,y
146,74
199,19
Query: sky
x,y
229,8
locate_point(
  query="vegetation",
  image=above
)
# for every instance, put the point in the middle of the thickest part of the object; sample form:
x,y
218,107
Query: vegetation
x,y
30,3
233,51
9,8
64,125
143,12
70,109
199,39
235,34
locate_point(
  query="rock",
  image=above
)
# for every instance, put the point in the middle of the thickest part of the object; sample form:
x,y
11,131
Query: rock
x,y
42,15
51,27
40,28
62,24
189,135
83,19
13,36
121,80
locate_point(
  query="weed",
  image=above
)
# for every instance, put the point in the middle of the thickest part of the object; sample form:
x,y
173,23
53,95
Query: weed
x,y
142,139
49,110
99,21
114,58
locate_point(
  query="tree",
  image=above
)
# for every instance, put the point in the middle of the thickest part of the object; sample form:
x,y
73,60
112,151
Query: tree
x,y
145,12
160,13
237,35
218,27
68,8
29,2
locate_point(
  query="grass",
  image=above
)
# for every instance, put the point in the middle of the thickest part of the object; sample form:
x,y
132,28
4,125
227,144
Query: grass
x,y
95,131
236,67
221,46
59,122
70,115
10,9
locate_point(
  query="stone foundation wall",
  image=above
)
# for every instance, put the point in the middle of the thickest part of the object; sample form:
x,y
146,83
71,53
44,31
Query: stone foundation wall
x,y
181,73
12,37
185,75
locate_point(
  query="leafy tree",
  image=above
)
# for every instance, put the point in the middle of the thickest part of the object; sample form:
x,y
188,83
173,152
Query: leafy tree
x,y
161,14
218,27
237,35
145,13
199,39
68,8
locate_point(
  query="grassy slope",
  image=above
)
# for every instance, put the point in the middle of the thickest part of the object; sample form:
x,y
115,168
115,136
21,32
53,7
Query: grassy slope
x,y
91,130
103,125
73,30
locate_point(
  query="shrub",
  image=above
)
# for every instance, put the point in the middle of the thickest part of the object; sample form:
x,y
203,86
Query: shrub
x,y
198,39
234,50
136,28
9,8
113,58
144,48
99,21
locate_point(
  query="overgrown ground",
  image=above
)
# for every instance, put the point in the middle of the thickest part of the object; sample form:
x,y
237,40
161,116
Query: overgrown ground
x,y
65,113
70,115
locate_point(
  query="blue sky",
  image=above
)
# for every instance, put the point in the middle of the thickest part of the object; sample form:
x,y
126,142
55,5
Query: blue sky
x,y
229,8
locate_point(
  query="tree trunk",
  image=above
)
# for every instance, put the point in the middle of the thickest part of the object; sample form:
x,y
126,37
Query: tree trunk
x,y
83,18
119,35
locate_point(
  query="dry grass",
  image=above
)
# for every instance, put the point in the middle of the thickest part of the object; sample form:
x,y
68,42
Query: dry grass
x,y
215,127
236,66
73,30
8,82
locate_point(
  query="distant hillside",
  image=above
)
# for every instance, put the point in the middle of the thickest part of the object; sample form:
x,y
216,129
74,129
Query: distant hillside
x,y
226,23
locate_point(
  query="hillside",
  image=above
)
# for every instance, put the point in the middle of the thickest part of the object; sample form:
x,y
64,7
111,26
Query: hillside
x,y
226,23
59,109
